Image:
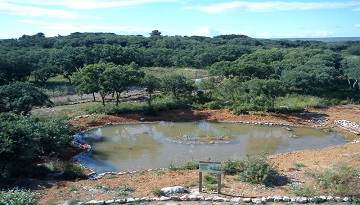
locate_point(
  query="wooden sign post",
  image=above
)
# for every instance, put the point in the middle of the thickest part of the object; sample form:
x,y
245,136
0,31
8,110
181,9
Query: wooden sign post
x,y
213,168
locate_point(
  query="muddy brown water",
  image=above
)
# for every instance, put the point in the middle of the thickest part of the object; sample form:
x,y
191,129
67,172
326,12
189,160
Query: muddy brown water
x,y
119,148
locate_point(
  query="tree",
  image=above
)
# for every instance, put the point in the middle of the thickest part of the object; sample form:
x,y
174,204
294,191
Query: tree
x,y
155,33
351,66
21,97
23,139
115,79
151,83
177,85
88,78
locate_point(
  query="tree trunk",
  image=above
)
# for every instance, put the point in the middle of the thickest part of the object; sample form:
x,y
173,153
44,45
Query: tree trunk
x,y
117,98
93,96
103,100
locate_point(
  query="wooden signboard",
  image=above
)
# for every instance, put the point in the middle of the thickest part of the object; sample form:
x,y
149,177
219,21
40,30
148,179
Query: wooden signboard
x,y
210,167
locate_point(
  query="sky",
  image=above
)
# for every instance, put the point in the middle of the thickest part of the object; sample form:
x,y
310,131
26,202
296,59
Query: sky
x,y
257,19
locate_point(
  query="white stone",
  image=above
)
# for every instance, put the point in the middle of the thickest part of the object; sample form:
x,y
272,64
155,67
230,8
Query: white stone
x,y
270,199
130,200
164,198
278,198
236,200
120,201
94,202
208,199
247,200
302,200
175,198
173,190
256,200
286,199
109,201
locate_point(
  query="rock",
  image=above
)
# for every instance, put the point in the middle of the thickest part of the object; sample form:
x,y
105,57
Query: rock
x,y
164,198
120,201
347,199
256,200
247,200
338,199
208,199
286,199
109,201
330,198
175,198
129,200
270,199
220,199
94,202
278,199
173,190
302,200
236,200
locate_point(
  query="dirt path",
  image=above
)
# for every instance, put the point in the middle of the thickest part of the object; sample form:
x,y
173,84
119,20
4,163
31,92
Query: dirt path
x,y
145,182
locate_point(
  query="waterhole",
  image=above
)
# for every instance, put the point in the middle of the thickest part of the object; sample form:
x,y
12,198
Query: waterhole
x,y
133,147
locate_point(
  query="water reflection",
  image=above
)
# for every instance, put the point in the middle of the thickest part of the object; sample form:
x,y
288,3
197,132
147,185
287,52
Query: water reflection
x,y
143,146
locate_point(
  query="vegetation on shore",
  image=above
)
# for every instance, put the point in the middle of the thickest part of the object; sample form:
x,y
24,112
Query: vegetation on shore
x,y
228,71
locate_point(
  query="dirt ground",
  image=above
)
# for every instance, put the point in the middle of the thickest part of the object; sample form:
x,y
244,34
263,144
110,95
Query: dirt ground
x,y
144,183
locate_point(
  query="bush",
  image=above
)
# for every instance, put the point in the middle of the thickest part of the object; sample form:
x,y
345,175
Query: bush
x,y
232,167
342,180
187,166
258,171
303,190
157,192
74,171
18,197
23,139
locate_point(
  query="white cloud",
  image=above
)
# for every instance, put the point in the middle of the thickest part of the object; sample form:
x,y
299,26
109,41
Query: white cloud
x,y
271,6
357,25
206,31
65,28
87,4
31,11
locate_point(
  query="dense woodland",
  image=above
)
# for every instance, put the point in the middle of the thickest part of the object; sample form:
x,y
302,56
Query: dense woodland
x,y
244,74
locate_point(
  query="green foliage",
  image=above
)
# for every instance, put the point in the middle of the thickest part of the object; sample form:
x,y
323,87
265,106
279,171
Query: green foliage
x,y
177,85
210,182
342,180
188,166
74,171
125,191
258,170
20,98
303,190
232,167
18,197
157,192
23,139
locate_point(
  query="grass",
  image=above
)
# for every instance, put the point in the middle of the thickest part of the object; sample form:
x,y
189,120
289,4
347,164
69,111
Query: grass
x,y
18,197
299,102
340,180
187,166
157,192
125,191
187,72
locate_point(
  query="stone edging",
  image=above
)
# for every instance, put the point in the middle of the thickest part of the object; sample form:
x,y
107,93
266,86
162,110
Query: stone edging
x,y
258,200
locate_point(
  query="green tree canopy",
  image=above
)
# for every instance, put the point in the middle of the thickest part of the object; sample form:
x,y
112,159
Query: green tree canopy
x,y
21,97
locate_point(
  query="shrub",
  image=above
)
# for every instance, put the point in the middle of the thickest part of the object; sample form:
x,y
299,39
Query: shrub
x,y
258,170
303,190
157,192
74,171
342,180
232,167
187,166
18,197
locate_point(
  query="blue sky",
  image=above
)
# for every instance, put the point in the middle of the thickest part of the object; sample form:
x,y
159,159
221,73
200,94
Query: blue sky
x,y
258,19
